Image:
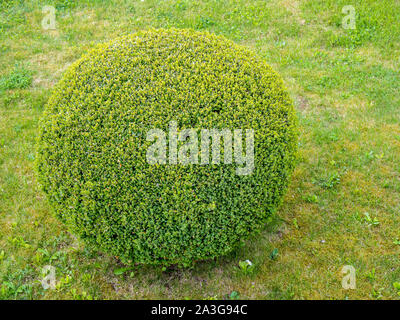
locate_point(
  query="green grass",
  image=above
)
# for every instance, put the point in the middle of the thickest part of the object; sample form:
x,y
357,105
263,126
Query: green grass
x,y
343,204
19,78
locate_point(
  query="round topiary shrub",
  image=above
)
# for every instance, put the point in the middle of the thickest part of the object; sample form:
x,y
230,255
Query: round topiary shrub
x,y
110,165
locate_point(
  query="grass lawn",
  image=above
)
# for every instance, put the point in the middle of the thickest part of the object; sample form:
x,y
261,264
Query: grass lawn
x,y
342,207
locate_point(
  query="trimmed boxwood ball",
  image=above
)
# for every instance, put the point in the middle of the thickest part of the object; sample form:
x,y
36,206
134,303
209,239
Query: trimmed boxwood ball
x,y
92,144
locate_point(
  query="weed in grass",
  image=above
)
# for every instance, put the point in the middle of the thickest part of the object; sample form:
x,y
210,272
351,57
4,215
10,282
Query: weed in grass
x,y
377,293
274,254
234,295
247,267
80,296
311,198
18,242
396,286
19,78
121,271
371,275
330,181
371,221
64,282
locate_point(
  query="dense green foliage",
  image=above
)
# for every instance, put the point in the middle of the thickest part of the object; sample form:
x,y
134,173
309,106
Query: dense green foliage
x,y
92,146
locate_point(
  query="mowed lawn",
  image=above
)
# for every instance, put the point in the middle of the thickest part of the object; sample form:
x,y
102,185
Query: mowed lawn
x,y
342,207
